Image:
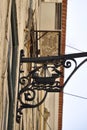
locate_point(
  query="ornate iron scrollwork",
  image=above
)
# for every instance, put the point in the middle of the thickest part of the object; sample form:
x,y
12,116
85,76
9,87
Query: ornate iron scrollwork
x,y
44,76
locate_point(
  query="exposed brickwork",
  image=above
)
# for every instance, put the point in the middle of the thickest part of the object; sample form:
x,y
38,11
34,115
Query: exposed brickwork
x,y
63,39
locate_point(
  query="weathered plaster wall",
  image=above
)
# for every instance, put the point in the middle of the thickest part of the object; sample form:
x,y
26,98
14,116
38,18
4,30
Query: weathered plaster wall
x,y
5,11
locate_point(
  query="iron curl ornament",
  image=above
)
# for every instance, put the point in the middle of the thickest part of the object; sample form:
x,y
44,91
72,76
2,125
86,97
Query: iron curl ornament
x,y
44,76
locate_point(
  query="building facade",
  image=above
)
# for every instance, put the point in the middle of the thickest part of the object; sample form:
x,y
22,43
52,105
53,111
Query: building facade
x,y
39,28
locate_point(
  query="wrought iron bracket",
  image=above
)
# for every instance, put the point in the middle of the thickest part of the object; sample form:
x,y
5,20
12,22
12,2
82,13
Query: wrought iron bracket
x,y
44,76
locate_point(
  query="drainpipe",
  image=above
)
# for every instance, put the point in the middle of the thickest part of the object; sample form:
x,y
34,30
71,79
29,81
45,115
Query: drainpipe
x,y
12,73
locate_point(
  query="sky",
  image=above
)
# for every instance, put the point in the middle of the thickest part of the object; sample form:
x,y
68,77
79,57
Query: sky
x,y
75,108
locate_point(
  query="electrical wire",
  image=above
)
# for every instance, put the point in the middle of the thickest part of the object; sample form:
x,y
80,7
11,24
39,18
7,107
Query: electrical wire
x,y
69,94
74,48
73,95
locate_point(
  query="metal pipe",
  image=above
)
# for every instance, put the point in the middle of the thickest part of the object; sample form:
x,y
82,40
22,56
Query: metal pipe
x,y
12,75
